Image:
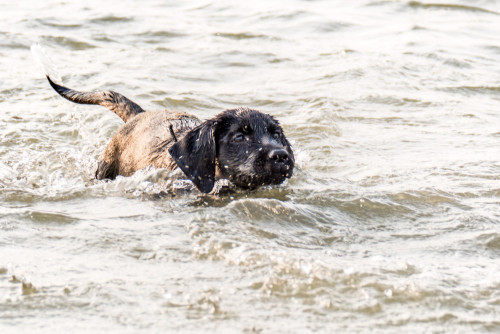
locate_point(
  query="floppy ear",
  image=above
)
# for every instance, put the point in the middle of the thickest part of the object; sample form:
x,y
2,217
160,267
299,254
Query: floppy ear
x,y
195,155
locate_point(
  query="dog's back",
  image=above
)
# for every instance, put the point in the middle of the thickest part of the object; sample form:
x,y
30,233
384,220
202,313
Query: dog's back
x,y
144,141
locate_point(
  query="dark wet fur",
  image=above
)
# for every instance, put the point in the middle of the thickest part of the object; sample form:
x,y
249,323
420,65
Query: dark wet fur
x,y
243,145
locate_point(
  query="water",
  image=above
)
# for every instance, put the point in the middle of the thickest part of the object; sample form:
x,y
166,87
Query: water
x,y
390,224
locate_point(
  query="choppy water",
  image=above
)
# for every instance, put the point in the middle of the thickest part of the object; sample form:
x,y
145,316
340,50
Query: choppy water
x,y
390,224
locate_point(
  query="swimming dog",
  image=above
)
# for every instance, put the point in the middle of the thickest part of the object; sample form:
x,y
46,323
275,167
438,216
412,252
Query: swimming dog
x,y
243,145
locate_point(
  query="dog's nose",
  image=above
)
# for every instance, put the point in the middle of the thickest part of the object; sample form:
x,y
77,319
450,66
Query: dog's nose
x,y
278,155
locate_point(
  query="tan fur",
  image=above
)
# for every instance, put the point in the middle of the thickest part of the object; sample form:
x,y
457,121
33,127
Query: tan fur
x,y
144,141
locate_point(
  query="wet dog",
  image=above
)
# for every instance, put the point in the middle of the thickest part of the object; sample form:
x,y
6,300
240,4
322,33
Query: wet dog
x,y
242,145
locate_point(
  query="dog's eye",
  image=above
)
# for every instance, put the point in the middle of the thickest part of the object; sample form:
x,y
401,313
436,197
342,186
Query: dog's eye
x,y
238,138
277,135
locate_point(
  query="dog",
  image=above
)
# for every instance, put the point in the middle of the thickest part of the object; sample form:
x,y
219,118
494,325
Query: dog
x,y
243,145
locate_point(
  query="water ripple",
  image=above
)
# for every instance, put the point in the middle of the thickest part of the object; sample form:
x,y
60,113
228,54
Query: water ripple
x,y
389,224
417,4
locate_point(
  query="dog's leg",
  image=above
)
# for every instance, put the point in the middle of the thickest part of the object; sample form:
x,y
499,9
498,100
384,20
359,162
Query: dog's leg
x,y
115,102
106,170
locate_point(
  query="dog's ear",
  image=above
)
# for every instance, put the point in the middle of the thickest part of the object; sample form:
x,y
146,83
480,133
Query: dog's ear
x,y
195,155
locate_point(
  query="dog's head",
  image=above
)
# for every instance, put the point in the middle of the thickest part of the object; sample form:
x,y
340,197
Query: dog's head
x,y
242,145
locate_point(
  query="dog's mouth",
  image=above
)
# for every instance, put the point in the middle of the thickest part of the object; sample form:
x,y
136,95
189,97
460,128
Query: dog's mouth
x,y
271,173
270,167
279,165
280,171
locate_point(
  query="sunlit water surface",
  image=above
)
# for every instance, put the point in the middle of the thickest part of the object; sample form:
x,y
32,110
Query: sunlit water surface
x,y
390,223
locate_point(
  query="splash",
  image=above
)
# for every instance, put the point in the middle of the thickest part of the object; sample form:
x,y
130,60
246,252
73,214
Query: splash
x,y
45,62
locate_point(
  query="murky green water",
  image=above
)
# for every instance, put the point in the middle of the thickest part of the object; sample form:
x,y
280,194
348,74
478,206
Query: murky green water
x,y
390,224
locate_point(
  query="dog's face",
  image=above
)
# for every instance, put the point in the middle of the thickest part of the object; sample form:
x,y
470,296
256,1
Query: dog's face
x,y
243,145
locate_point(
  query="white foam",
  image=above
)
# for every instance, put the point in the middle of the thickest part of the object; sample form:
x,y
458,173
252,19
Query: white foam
x,y
45,62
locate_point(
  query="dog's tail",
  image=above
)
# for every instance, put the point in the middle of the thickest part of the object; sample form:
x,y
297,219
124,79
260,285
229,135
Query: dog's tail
x,y
115,102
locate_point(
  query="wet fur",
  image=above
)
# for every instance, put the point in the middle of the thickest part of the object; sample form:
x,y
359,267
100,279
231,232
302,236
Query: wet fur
x,y
243,145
